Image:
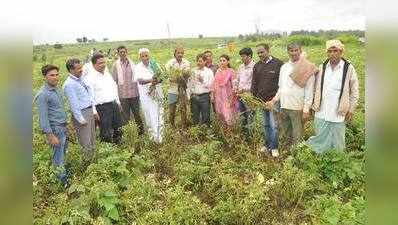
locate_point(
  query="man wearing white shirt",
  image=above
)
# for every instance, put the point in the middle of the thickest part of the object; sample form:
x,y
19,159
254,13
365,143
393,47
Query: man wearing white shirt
x,y
199,86
335,99
295,101
106,99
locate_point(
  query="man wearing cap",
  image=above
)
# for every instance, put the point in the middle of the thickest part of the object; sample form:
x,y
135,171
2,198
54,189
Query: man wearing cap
x,y
335,98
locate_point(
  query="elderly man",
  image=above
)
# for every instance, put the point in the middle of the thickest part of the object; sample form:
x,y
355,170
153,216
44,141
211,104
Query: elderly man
x,y
123,74
106,99
177,89
82,106
264,86
295,100
336,96
150,95
52,119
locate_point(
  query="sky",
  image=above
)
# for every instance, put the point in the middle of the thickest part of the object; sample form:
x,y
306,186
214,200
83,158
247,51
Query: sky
x,y
63,21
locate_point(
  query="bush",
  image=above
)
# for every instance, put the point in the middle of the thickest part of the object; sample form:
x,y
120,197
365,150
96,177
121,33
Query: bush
x,y
305,40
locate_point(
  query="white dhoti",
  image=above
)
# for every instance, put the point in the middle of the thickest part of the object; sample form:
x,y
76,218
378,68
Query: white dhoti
x,y
151,106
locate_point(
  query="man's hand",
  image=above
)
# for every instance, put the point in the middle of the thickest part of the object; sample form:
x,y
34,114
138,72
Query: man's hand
x,y
52,139
96,117
270,104
306,116
348,116
120,107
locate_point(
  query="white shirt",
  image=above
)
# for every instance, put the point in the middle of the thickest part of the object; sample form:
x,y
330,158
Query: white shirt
x,y
103,87
197,87
291,95
144,72
331,93
172,63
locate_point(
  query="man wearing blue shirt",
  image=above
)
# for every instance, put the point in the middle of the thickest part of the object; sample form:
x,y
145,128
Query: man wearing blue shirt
x,y
82,107
52,119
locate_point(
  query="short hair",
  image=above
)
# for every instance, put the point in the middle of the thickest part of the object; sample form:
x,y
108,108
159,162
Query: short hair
x,y
264,45
142,50
246,51
200,56
293,45
47,68
121,47
208,51
95,57
70,63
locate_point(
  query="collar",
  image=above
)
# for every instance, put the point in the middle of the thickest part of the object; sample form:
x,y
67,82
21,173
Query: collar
x,y
74,77
339,65
250,64
268,60
48,87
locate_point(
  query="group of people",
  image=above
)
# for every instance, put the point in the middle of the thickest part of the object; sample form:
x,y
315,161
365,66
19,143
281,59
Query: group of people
x,y
289,92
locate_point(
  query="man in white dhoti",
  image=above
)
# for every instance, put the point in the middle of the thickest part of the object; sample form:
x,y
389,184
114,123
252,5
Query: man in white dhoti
x,y
150,95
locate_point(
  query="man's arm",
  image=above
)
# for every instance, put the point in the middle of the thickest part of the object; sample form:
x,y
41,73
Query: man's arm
x,y
42,107
354,90
73,103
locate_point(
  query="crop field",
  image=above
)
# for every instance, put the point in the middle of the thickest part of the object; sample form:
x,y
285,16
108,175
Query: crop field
x,y
202,175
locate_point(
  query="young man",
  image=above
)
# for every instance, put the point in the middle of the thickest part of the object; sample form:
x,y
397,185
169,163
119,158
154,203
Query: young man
x,y
177,89
123,74
295,101
209,61
52,119
243,84
82,107
264,86
199,85
336,96
106,99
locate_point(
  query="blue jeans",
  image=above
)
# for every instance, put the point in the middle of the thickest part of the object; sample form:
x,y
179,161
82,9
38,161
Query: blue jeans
x,y
59,151
246,118
270,130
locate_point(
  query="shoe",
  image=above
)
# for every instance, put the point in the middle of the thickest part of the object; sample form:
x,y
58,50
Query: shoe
x,y
263,149
274,152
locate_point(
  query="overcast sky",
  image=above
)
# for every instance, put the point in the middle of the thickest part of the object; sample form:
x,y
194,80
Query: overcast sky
x,y
63,21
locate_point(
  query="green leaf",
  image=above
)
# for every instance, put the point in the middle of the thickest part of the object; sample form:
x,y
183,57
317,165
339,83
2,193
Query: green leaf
x,y
114,214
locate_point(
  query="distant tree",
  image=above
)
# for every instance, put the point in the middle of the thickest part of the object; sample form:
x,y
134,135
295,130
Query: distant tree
x,y
200,36
240,36
105,39
79,40
85,40
58,46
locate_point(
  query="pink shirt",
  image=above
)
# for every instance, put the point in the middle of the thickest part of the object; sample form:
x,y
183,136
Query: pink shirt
x,y
244,76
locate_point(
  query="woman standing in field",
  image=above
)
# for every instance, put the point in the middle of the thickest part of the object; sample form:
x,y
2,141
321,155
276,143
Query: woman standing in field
x,y
222,95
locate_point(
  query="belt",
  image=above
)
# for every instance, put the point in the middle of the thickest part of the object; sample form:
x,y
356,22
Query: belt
x,y
88,107
201,94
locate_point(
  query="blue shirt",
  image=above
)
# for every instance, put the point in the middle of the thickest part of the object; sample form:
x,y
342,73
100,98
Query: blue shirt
x,y
79,96
50,105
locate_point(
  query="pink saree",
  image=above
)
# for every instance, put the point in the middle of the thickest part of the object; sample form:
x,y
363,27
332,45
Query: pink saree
x,y
224,98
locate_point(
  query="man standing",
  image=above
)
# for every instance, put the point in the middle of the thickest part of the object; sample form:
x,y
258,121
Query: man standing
x,y
123,72
242,85
209,61
52,119
336,96
295,101
199,85
264,86
177,89
82,106
106,99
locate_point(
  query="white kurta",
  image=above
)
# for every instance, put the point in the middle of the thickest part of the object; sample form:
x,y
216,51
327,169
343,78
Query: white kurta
x,y
152,109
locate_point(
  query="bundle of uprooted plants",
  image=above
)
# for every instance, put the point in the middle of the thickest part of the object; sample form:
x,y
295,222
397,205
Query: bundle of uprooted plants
x,y
251,101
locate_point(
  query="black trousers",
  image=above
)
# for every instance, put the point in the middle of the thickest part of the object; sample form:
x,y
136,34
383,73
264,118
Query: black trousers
x,y
131,106
200,108
110,122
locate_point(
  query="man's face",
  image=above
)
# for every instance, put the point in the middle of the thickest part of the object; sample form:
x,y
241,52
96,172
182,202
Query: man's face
x,y
52,77
200,63
77,70
294,54
209,57
144,57
100,65
179,53
334,54
245,59
122,53
262,53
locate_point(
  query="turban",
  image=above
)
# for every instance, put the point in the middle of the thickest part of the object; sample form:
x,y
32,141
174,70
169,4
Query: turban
x,y
142,50
334,43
